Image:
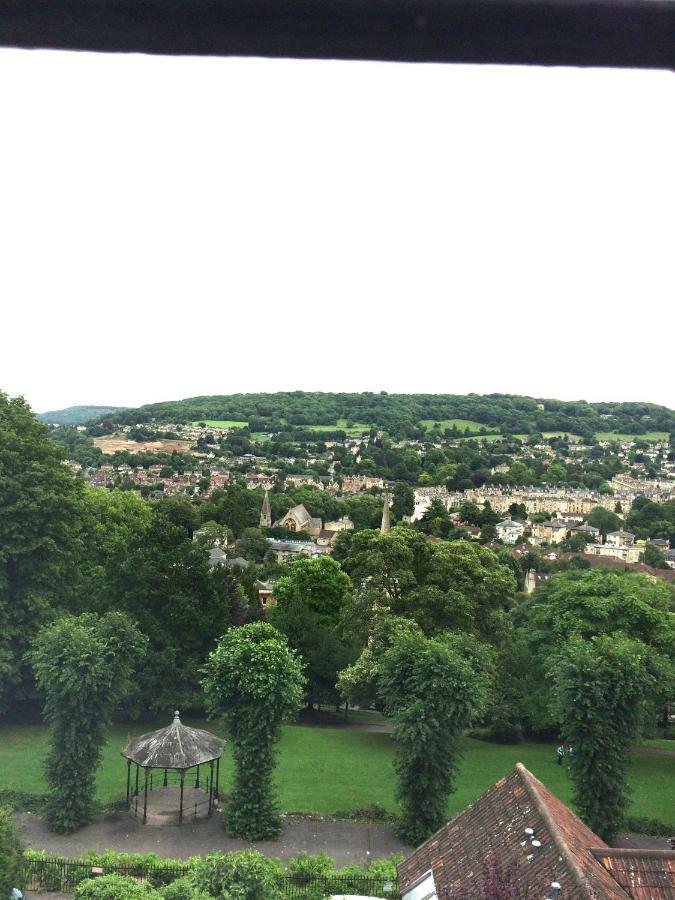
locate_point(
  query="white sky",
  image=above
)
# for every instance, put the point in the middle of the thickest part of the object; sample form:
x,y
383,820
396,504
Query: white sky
x,y
172,227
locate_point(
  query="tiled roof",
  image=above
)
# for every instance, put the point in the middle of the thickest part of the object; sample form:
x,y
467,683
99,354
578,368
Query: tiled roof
x,y
493,828
643,874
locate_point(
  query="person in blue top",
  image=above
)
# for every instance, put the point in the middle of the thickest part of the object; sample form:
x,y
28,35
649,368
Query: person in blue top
x,y
560,753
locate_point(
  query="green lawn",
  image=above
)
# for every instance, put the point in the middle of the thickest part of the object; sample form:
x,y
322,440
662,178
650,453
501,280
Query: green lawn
x,y
222,423
652,436
327,769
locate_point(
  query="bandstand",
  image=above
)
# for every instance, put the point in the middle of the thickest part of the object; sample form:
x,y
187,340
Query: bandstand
x,y
175,751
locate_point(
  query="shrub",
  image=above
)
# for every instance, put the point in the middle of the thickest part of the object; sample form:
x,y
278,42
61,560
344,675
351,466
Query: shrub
x,y
644,825
10,854
114,887
22,800
247,875
184,889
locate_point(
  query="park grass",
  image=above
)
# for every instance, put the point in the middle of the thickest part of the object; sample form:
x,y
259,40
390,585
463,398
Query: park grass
x,y
651,436
325,770
222,423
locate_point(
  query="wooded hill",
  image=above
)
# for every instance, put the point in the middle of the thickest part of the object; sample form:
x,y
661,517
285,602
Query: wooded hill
x,y
75,415
403,414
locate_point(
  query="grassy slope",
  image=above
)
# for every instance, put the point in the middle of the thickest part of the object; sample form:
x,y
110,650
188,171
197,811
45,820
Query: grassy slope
x,y
651,436
327,769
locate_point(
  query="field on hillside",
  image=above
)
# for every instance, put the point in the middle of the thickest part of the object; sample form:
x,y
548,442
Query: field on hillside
x,y
110,445
458,423
356,429
326,769
651,436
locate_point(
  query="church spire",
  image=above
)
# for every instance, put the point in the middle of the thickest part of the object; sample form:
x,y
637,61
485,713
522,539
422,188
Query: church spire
x,y
266,513
386,524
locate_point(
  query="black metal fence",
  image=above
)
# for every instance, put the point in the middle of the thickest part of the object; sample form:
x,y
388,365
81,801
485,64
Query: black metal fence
x,y
63,875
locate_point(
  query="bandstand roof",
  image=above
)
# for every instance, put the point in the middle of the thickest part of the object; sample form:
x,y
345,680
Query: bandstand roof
x,y
174,747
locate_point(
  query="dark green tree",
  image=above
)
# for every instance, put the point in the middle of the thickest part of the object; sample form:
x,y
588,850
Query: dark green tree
x,y
604,519
600,686
432,689
11,853
585,604
83,666
404,500
309,610
39,514
253,682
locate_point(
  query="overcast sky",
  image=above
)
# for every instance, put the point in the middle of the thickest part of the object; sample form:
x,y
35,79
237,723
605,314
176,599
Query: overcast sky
x,y
173,227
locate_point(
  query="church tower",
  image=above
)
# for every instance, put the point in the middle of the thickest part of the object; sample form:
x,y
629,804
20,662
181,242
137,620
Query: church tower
x,y
386,524
266,513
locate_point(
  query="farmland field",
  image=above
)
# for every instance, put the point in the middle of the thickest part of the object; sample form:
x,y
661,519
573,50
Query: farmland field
x,y
651,436
327,769
110,445
458,423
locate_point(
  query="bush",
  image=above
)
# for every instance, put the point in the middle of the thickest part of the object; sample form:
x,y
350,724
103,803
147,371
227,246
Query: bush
x,y
247,875
22,801
184,889
10,854
644,825
114,887
158,871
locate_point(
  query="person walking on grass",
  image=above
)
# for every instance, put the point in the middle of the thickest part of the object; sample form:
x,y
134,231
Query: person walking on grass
x,y
560,754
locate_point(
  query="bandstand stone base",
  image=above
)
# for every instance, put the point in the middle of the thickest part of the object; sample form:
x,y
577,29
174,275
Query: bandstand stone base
x,y
163,804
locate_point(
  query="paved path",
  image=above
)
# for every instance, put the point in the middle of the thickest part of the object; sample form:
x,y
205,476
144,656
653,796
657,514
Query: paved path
x,y
345,842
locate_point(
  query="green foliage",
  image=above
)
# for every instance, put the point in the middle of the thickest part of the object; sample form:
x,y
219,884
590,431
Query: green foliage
x,y
402,414
253,681
114,887
600,684
654,557
652,520
456,585
645,825
140,559
10,854
38,523
22,800
585,604
310,605
184,889
83,666
604,519
247,875
76,415
432,689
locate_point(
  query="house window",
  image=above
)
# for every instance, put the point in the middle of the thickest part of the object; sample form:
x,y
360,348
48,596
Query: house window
x,y
424,889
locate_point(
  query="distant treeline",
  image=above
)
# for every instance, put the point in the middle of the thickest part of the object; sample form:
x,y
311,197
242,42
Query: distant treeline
x,y
401,414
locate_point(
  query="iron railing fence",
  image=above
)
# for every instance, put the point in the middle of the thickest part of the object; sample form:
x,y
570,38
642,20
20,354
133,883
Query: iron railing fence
x,y
55,874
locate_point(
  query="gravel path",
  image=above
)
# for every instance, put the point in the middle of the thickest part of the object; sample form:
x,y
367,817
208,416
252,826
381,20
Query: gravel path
x,y
345,842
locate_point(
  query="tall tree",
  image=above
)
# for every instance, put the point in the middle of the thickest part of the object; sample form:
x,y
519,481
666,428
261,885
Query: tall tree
x,y
432,689
404,500
38,522
600,685
309,611
83,666
586,604
253,681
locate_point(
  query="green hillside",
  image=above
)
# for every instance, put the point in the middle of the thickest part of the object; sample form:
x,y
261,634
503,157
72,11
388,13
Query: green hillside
x,y
405,415
76,415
